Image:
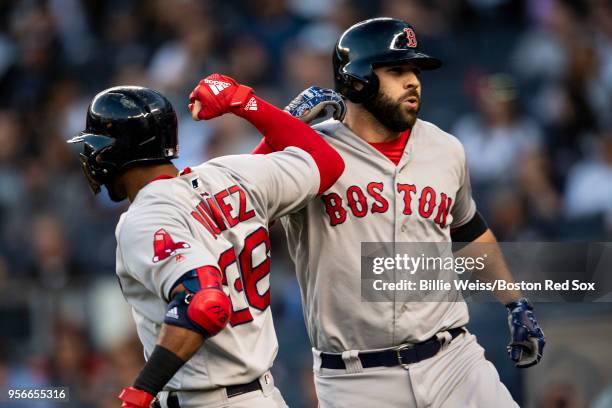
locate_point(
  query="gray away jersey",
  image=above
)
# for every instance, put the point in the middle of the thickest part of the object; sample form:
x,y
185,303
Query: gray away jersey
x,y
217,214
418,200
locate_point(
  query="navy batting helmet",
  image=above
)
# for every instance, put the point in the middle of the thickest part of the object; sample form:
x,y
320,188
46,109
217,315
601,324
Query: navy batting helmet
x,y
372,43
126,126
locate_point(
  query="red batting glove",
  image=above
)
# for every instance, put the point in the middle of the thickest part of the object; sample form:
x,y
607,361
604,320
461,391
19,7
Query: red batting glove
x,y
135,398
218,94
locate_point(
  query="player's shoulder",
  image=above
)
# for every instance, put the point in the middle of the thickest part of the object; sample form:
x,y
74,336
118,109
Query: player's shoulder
x,y
212,164
438,138
155,204
210,169
329,128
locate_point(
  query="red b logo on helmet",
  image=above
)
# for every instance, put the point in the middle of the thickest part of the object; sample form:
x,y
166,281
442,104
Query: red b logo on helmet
x,y
411,37
404,39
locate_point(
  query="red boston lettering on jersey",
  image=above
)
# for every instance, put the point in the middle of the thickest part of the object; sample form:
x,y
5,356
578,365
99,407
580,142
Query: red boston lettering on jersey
x,y
408,190
164,246
243,214
357,201
380,204
443,209
427,202
333,207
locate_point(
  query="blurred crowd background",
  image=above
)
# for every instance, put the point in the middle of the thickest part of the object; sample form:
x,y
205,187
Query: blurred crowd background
x,y
526,85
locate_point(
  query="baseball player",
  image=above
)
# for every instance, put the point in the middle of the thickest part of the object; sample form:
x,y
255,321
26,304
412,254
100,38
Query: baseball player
x,y
406,180
193,247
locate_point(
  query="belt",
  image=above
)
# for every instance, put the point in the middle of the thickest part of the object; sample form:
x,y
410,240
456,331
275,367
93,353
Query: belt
x,y
234,390
402,355
231,390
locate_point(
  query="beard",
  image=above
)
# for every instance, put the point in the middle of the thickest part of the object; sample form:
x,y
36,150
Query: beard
x,y
392,114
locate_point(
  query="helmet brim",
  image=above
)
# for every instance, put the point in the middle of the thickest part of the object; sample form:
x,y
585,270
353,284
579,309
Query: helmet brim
x,y
361,69
95,142
420,60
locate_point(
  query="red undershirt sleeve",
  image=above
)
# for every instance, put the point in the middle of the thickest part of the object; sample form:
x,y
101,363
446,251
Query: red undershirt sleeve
x,y
282,130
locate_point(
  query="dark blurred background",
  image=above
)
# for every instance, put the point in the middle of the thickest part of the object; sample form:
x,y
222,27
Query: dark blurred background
x,y
526,85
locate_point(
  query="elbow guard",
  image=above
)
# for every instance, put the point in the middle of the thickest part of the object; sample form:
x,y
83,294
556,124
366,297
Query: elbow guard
x,y
210,309
203,306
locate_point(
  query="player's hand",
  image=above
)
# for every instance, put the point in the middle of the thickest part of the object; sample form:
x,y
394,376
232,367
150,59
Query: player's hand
x,y
526,338
215,95
134,398
312,103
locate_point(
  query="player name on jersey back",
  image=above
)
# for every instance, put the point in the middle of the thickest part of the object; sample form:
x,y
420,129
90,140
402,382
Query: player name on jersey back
x,y
215,211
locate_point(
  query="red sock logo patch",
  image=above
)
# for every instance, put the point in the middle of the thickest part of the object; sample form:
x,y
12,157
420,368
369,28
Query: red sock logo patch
x,y
164,246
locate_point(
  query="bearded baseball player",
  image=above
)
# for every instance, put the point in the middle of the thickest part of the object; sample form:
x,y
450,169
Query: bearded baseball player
x,y
405,180
193,247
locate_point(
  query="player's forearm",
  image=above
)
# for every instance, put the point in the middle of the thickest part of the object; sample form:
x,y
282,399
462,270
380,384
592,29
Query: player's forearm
x,y
282,130
329,163
182,342
495,265
175,345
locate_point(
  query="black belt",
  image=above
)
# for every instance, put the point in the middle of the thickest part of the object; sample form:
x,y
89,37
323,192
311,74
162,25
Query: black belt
x,y
232,391
402,355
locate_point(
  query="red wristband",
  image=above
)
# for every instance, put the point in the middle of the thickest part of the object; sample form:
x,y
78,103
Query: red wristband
x,y
135,398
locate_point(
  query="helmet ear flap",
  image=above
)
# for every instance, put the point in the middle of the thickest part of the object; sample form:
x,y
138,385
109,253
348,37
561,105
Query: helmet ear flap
x,y
96,164
358,91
